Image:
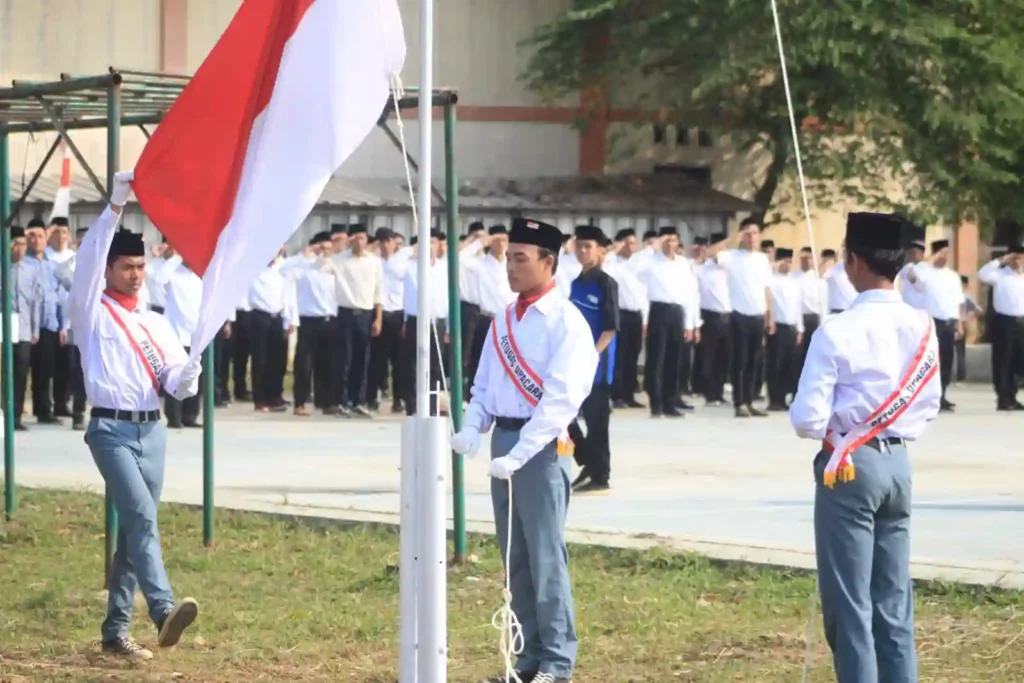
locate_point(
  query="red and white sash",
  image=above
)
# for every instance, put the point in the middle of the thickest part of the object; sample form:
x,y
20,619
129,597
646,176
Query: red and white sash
x,y
146,349
922,368
528,382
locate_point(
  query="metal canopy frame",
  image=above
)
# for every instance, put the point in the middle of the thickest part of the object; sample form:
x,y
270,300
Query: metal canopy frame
x,y
122,98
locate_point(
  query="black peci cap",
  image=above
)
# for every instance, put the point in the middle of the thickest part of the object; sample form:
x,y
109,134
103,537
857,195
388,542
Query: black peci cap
x,y
590,233
543,235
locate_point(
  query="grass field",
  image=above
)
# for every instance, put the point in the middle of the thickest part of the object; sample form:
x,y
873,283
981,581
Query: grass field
x,y
302,600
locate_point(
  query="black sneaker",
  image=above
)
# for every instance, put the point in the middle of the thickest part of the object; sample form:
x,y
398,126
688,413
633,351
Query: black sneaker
x,y
78,423
582,479
618,405
635,404
125,647
360,411
592,488
754,412
20,426
343,411
176,621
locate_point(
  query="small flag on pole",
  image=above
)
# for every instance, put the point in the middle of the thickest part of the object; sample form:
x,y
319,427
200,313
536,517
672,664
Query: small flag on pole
x,y
62,200
289,91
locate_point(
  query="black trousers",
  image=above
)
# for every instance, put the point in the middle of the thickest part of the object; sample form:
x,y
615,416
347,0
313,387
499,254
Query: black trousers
x,y
77,383
470,313
480,334
241,350
781,363
180,413
811,323
685,368
714,347
409,365
594,451
747,355
661,366
945,331
44,363
222,364
1007,335
62,379
961,358
384,351
22,352
629,340
267,338
313,358
352,356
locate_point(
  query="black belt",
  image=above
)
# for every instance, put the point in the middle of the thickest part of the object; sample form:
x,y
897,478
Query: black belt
x,y
889,441
139,416
510,424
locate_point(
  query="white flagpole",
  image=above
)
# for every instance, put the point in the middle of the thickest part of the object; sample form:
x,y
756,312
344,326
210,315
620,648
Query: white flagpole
x,y
431,432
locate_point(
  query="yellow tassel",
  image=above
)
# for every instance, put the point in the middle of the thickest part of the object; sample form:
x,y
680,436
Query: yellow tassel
x,y
566,447
829,479
847,472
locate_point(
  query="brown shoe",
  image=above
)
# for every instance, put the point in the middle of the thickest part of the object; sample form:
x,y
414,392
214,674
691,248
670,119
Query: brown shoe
x,y
301,411
332,410
743,411
754,412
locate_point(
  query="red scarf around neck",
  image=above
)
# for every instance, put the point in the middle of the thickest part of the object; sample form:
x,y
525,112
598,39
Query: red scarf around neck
x,y
524,302
129,303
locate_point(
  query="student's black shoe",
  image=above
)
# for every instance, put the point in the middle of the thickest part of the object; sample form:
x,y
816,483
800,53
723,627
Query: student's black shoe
x,y
581,479
60,411
192,425
715,403
20,427
635,404
672,412
78,423
778,408
618,405
683,405
945,407
754,412
360,411
49,421
592,488
125,647
1017,405
176,621
523,676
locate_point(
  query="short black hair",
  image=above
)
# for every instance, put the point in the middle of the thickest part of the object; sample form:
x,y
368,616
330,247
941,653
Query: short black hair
x,y
885,263
544,253
748,221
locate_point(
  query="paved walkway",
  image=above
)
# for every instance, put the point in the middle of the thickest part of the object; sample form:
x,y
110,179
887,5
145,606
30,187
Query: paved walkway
x,y
710,483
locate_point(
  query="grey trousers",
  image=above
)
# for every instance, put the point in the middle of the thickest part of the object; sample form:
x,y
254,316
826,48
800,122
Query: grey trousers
x,y
131,459
538,564
862,538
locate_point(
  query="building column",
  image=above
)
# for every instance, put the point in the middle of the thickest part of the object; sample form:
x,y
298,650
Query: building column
x,y
593,150
174,36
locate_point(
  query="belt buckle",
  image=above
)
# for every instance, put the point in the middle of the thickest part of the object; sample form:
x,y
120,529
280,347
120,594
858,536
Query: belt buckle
x,y
136,416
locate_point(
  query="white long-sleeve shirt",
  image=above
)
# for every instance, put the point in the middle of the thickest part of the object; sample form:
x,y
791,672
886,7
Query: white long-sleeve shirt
x,y
358,280
1008,288
556,343
787,304
438,290
840,292
569,269
494,292
268,291
314,289
469,277
813,292
713,285
116,374
632,291
750,276
913,292
856,361
672,281
943,292
183,294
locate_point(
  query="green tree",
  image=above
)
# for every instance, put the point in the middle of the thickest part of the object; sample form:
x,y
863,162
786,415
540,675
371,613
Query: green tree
x,y
929,94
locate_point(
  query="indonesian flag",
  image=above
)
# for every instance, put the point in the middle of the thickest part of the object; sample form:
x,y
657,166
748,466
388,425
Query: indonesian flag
x,y
62,200
285,96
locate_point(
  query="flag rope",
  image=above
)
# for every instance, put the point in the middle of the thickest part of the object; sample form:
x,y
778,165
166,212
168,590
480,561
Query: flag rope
x,y
794,128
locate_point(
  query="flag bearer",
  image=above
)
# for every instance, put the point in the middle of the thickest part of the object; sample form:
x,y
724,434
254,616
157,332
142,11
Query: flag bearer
x,y
869,387
533,377
128,354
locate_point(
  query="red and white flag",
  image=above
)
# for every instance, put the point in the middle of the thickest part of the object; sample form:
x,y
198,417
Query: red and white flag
x,y
62,200
285,96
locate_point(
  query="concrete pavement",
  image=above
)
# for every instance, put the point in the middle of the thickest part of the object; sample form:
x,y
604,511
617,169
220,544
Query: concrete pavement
x,y
710,483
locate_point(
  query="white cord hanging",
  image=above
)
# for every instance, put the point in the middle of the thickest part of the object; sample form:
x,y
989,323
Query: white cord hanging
x,y
814,255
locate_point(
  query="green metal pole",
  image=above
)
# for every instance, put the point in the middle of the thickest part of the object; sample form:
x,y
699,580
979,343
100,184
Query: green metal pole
x,y
208,408
113,166
8,343
451,201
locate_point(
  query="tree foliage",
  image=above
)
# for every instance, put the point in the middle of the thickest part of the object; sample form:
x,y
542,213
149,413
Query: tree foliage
x,y
927,94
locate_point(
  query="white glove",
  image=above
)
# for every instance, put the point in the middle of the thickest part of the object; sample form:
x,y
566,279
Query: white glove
x,y
188,380
466,442
504,468
122,189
